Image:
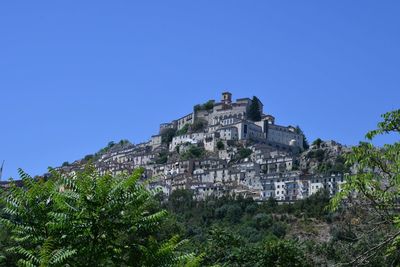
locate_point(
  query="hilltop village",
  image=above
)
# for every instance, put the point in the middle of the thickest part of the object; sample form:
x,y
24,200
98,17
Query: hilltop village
x,y
227,147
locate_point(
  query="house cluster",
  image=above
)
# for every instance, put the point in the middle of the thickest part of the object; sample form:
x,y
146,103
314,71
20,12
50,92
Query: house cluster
x,y
254,158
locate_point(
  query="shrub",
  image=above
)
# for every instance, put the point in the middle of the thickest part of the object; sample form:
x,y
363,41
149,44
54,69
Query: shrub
x,y
183,130
167,135
220,145
244,153
198,125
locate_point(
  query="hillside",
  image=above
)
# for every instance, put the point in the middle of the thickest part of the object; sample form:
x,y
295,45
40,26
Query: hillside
x,y
228,148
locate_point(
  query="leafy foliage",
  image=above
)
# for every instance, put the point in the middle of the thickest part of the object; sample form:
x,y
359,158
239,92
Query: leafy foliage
x,y
167,135
305,141
162,158
193,152
244,153
220,145
206,106
87,220
375,188
198,125
235,231
317,142
183,130
254,112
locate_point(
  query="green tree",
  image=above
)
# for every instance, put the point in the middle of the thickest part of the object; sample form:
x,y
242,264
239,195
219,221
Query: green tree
x,y
193,152
167,135
244,153
183,130
198,125
305,141
254,112
281,253
220,145
374,187
220,247
87,220
65,163
206,106
317,142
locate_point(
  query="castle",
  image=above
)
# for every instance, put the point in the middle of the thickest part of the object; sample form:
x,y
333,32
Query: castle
x,y
226,147
229,120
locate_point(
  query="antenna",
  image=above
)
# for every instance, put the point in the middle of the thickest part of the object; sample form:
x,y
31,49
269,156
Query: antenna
x,y
1,170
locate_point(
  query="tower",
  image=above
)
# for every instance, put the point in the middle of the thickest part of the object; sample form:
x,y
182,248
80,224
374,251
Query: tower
x,y
226,98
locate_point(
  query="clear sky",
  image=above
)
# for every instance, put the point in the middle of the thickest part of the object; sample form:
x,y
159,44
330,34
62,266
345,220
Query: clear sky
x,y
75,75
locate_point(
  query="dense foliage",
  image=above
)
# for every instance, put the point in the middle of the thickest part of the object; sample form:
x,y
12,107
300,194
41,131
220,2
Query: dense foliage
x,y
237,231
167,135
254,112
374,189
86,220
306,145
209,105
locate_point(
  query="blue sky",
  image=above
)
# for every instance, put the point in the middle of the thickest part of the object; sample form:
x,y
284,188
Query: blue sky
x,y
75,75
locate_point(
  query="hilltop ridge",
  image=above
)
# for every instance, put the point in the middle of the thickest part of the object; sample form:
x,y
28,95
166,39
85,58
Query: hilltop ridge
x,y
226,148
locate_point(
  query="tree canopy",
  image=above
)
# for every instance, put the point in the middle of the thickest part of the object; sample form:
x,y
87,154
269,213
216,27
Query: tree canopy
x,y
87,219
254,112
374,187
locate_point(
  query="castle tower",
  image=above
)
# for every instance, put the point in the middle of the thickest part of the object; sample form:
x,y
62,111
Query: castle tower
x,y
226,98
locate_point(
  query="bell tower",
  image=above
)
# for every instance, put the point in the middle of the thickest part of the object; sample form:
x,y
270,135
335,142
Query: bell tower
x,y
226,98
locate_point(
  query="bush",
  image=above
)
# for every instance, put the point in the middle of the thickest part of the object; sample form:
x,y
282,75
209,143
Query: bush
x,y
198,125
88,157
278,229
206,106
167,135
183,130
244,153
234,213
282,253
318,154
65,163
317,142
220,145
262,220
162,158
193,152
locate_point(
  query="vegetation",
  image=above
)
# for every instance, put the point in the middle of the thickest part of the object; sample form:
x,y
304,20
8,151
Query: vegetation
x,y
89,219
220,145
317,154
236,231
305,141
167,134
183,130
206,106
193,152
198,125
88,157
317,142
65,163
86,220
376,186
244,153
112,144
338,167
254,112
162,158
